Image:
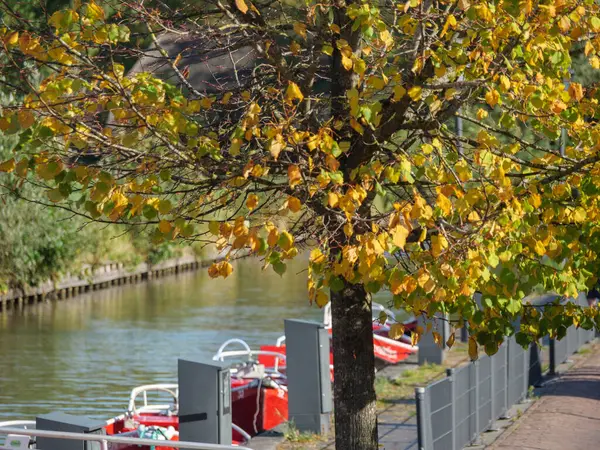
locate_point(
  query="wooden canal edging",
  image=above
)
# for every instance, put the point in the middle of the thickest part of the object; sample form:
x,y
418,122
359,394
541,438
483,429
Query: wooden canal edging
x,y
99,278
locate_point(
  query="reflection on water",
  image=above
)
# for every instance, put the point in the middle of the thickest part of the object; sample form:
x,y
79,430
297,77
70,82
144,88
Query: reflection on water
x,y
84,355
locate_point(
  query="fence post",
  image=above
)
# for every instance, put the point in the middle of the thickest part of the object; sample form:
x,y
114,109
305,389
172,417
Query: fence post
x,y
422,419
429,351
450,374
552,350
476,435
506,377
526,361
493,389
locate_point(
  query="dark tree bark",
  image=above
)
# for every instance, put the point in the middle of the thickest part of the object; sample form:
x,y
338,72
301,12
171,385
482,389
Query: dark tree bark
x,y
354,361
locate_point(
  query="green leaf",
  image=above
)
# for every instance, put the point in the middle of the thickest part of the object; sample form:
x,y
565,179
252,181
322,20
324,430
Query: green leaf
x,y
373,287
149,212
336,284
493,260
514,306
279,267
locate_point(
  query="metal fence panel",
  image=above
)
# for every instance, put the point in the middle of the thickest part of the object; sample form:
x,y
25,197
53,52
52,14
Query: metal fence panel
x,y
434,408
572,341
561,351
465,400
440,408
453,411
584,336
517,372
499,371
485,398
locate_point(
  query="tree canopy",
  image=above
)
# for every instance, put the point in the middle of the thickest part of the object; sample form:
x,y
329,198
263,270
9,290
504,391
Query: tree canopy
x,y
272,127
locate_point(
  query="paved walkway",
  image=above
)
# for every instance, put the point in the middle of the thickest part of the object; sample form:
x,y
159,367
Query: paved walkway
x,y
566,417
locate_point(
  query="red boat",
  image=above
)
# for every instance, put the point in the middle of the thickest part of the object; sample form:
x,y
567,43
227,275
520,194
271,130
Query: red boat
x,y
258,398
259,388
387,350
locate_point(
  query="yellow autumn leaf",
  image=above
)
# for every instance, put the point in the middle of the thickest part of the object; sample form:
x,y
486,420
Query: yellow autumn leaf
x,y
252,201
437,338
473,351
450,341
321,299
294,204
273,237
415,93
12,39
579,215
347,62
236,145
317,256
332,199
492,97
294,175
348,229
481,114
293,92
399,235
164,226
225,269
473,216
576,91
450,23
539,248
8,166
22,167
396,331
399,92
241,5
285,241
300,29
438,244
277,144
239,226
214,227
26,119
226,98
356,126
415,337
444,204
220,269
376,82
504,83
94,11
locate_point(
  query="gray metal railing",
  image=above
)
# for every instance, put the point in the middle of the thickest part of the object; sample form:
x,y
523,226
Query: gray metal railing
x,y
454,411
104,440
561,350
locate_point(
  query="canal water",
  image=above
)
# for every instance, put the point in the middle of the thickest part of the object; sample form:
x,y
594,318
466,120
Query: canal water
x,y
85,354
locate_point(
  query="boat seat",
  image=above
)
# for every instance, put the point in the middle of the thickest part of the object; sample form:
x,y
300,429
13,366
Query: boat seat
x,y
250,370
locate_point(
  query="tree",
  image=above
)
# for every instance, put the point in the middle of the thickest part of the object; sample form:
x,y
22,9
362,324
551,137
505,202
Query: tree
x,y
301,118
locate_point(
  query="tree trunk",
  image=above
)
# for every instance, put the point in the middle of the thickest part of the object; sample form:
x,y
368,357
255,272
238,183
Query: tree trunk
x,y
354,385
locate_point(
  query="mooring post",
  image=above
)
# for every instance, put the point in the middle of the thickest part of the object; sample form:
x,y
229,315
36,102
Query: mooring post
x,y
309,379
204,401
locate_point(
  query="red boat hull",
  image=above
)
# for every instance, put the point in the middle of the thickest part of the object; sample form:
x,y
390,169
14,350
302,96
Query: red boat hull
x,y
255,409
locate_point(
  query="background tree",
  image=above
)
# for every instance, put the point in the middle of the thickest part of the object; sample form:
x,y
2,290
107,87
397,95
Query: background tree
x,y
301,118
38,244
